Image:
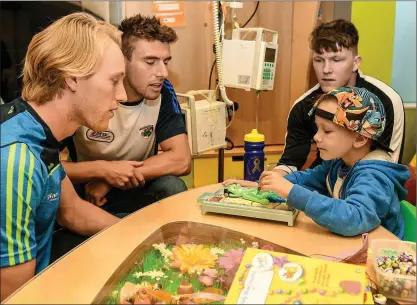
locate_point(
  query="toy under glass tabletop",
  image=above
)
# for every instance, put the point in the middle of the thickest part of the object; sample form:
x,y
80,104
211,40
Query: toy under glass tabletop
x,y
248,202
182,263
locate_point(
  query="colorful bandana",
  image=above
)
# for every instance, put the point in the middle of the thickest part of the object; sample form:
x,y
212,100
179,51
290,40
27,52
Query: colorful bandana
x,y
358,110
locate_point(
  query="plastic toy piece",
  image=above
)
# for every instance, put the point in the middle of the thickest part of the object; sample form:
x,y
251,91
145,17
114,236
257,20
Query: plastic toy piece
x,y
252,194
272,197
380,299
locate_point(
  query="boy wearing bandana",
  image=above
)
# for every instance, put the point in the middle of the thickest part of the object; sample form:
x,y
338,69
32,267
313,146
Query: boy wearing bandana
x,y
358,186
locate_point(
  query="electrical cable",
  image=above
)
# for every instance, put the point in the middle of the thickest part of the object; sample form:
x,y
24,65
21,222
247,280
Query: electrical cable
x,y
215,61
246,23
231,144
253,14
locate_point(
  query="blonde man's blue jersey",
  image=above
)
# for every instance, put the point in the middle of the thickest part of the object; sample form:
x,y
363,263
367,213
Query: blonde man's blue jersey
x,y
30,186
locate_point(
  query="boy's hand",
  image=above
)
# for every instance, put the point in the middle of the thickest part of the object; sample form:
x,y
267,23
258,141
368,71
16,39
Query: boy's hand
x,y
279,171
243,183
273,181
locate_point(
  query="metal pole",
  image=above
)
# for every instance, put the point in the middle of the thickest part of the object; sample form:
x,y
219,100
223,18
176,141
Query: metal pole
x,y
220,177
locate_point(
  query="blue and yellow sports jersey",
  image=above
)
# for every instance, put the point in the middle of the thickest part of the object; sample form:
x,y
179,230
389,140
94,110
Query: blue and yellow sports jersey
x,y
30,186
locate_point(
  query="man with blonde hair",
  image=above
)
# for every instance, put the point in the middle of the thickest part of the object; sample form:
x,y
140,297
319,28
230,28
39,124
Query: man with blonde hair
x,y
72,76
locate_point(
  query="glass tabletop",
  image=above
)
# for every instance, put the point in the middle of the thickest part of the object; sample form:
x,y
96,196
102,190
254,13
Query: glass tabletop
x,y
182,262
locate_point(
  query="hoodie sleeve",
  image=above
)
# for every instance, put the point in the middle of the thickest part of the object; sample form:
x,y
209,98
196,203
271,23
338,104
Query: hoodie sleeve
x,y
311,179
354,215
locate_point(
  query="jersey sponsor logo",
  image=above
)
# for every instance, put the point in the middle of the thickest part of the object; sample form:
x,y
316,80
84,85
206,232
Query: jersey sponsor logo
x,y
52,196
146,131
103,136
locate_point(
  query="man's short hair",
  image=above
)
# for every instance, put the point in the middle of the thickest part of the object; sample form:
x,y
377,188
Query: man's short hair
x,y
334,35
69,47
144,27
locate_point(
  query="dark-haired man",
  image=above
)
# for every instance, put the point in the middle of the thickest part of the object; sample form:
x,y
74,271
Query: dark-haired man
x,y
107,161
336,63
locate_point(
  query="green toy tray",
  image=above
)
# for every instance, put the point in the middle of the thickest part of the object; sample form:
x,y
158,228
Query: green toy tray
x,y
218,203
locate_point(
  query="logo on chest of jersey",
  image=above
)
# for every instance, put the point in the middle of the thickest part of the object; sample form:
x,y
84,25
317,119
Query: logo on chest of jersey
x,y
146,131
103,136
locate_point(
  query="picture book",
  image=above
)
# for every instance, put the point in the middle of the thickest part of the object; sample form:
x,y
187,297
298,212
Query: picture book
x,y
266,277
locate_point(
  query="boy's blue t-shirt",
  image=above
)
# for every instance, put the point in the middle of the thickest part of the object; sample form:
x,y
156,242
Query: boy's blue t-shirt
x,y
30,186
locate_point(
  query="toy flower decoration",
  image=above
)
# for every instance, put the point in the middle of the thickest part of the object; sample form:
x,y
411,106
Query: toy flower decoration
x,y
166,253
210,272
206,280
231,258
216,251
208,277
267,248
192,258
280,261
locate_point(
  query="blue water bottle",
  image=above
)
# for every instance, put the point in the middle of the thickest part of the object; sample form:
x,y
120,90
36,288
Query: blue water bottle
x,y
254,155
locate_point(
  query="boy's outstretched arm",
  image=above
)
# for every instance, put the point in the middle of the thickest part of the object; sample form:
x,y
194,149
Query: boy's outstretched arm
x,y
312,179
366,200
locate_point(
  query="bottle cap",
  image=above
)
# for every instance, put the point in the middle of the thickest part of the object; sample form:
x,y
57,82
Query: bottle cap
x,y
254,136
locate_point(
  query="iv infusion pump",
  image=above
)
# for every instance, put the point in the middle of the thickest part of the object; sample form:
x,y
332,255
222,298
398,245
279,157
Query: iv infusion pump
x,y
205,121
250,64
242,64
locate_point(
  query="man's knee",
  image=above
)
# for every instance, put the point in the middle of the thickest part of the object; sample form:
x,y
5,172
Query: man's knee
x,y
166,186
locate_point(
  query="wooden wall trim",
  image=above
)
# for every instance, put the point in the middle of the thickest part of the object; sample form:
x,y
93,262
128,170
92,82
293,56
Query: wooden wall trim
x,y
304,21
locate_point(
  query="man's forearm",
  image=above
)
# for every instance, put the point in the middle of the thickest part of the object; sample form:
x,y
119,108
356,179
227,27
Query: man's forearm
x,y
80,172
13,277
166,163
85,218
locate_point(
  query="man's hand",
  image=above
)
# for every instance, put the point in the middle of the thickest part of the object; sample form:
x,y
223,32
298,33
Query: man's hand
x,y
137,180
120,173
243,183
96,191
273,181
139,177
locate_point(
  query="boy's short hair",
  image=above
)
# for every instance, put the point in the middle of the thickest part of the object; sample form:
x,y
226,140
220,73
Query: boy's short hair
x,y
334,35
144,27
69,47
358,110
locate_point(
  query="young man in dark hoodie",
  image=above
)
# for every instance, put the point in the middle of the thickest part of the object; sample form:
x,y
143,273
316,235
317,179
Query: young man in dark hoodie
x,y
358,186
336,62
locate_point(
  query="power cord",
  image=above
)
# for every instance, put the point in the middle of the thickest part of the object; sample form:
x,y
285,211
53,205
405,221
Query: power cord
x,y
211,73
231,144
253,14
214,63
